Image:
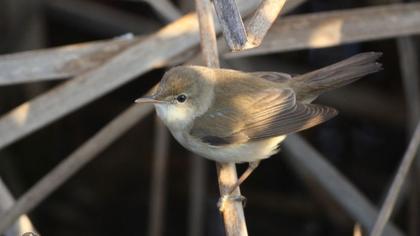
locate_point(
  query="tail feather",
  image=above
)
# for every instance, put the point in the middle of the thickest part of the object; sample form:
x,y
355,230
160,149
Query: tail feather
x,y
311,84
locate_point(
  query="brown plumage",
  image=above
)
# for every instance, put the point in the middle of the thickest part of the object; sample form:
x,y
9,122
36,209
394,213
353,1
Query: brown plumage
x,y
233,116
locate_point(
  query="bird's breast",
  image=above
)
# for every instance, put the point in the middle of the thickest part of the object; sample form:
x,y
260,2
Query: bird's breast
x,y
237,153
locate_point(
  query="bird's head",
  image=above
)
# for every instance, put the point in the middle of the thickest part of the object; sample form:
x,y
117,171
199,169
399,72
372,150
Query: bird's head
x,y
184,93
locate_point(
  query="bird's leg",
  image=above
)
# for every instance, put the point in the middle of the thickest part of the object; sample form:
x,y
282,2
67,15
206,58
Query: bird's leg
x,y
221,203
222,200
252,166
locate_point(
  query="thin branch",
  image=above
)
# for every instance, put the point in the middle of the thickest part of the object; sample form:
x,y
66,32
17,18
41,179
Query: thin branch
x,y
207,33
262,20
158,183
231,22
23,224
79,158
397,183
290,6
240,37
60,62
309,163
68,61
233,213
326,29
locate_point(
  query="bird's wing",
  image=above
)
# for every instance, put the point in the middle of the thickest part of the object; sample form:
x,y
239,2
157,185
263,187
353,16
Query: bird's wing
x,y
272,76
265,114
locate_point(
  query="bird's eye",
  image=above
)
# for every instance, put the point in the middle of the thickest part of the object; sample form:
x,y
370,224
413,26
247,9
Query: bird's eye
x,y
181,98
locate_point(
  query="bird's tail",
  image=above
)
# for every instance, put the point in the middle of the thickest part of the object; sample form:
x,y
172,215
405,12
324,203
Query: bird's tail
x,y
312,84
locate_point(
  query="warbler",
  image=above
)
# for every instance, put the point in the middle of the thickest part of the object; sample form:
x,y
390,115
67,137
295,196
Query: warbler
x,y
233,116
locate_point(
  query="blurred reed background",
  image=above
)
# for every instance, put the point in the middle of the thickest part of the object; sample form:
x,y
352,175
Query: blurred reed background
x,y
125,191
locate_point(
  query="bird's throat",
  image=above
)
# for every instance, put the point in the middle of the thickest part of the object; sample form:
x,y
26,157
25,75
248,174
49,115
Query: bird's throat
x,y
174,116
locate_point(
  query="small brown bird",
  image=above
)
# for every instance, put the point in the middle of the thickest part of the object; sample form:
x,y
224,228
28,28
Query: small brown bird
x,y
233,116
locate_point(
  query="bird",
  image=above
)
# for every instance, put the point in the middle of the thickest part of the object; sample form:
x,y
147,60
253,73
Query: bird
x,y
231,116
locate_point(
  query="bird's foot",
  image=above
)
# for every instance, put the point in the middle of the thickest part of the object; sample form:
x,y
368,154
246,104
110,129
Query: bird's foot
x,y
221,204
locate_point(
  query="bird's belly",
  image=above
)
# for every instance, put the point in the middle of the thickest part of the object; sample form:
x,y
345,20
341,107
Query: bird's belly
x,y
238,153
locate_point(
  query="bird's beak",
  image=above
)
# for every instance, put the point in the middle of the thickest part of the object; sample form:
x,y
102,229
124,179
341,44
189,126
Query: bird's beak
x,y
147,99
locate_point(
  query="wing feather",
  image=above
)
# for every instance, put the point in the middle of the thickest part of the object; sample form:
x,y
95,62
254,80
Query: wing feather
x,y
270,113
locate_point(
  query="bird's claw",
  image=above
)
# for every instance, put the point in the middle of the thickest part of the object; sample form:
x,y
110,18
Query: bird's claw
x,y
222,201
